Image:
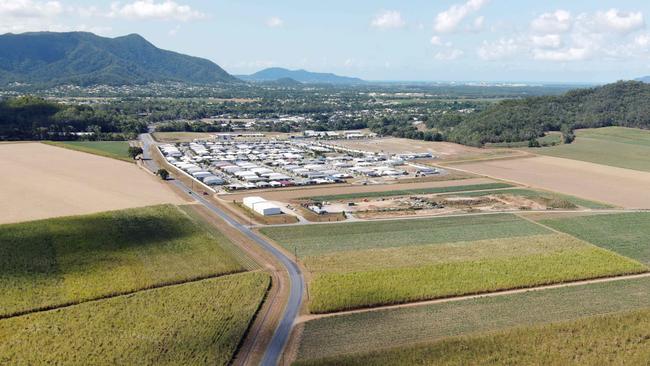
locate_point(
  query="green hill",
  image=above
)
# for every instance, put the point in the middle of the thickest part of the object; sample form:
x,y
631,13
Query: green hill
x,y
82,58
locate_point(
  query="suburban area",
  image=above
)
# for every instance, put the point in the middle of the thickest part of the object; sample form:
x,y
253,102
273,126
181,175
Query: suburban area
x,y
156,209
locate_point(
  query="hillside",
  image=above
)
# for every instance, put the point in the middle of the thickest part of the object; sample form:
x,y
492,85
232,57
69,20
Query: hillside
x,y
645,79
82,58
620,104
303,76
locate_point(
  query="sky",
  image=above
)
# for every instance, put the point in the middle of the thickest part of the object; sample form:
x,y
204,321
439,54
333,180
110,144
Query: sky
x,y
436,40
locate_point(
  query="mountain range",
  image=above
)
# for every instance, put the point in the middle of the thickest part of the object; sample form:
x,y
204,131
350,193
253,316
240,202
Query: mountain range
x,y
82,58
303,76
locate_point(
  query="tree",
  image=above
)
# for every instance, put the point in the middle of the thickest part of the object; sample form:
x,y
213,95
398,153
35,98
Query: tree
x,y
134,151
163,174
567,134
533,143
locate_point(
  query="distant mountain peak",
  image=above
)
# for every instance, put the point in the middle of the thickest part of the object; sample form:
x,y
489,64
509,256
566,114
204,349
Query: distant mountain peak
x,y
301,75
83,58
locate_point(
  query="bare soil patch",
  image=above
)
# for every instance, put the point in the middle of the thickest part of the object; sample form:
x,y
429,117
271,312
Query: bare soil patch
x,y
623,187
286,195
42,181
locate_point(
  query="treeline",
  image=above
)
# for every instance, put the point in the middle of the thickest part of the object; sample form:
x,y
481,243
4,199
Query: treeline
x,y
619,104
32,118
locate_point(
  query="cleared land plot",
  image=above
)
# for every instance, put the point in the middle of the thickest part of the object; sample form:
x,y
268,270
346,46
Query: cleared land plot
x,y
406,192
198,323
49,263
551,199
444,150
41,181
621,187
170,137
310,240
627,233
110,149
437,271
617,339
615,146
285,195
382,329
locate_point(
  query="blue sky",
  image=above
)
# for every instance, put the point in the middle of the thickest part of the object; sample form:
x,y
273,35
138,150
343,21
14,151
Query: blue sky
x,y
435,40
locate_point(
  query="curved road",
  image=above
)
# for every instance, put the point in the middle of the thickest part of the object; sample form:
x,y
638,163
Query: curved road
x,y
283,331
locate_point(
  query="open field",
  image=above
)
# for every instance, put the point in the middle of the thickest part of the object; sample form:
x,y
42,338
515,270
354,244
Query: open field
x,y
357,265
284,195
621,187
615,339
110,149
54,262
199,323
420,191
551,199
41,181
444,150
566,260
615,146
626,233
171,137
310,240
407,326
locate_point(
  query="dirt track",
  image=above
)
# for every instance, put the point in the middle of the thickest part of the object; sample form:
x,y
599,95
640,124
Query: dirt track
x,y
41,181
622,187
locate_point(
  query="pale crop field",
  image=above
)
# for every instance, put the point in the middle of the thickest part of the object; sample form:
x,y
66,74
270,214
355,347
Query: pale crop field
x,y
48,263
614,339
407,326
310,240
199,323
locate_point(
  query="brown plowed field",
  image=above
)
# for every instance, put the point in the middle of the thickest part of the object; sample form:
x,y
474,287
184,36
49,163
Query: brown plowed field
x,y
618,186
41,181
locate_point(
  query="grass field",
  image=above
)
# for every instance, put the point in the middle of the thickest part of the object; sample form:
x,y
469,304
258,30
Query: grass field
x,y
615,146
550,198
199,323
310,240
407,326
618,339
626,233
110,149
352,196
61,261
568,260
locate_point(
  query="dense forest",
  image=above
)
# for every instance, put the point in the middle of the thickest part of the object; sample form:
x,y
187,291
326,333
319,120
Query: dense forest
x,y
32,118
620,104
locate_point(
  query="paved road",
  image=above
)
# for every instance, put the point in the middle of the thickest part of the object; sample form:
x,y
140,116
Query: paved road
x,y
281,336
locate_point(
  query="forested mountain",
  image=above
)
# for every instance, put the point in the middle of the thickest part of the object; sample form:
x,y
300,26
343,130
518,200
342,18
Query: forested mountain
x,y
303,76
645,79
82,58
624,104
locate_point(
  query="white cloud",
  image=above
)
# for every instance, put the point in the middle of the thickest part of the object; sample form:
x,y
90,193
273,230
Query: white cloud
x,y
149,9
448,20
559,21
436,41
388,19
274,22
642,40
478,23
174,31
29,8
498,50
569,54
618,21
449,55
547,41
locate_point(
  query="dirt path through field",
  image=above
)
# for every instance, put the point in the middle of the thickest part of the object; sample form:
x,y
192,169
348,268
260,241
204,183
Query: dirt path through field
x,y
41,181
622,187
306,318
